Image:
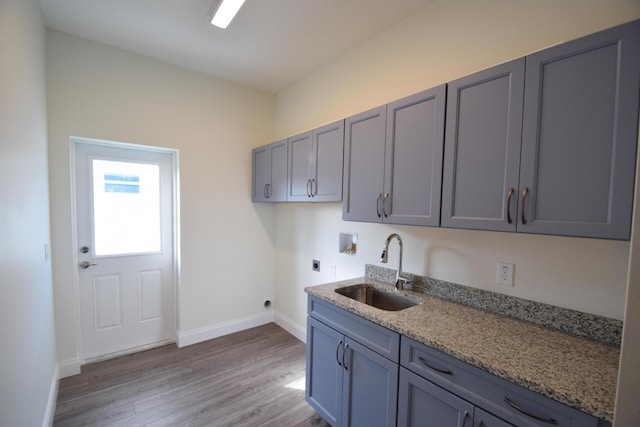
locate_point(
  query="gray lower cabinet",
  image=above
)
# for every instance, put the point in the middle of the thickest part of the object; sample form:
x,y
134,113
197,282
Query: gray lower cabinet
x,y
362,374
553,152
393,161
269,164
348,383
452,387
422,403
315,164
325,373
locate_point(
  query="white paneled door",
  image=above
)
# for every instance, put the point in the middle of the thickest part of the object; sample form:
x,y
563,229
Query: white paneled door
x,y
124,203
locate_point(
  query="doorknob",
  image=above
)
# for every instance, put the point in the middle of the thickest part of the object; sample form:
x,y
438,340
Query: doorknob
x,y
87,264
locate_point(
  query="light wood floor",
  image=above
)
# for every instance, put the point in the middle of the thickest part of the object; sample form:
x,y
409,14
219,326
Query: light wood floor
x,y
243,379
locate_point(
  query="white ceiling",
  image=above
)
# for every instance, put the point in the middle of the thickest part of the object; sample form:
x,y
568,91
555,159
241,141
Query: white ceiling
x,y
270,45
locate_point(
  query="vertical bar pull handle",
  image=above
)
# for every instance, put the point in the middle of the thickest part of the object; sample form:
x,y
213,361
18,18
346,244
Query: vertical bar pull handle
x,y
378,205
384,205
509,195
525,191
464,418
264,191
308,184
346,348
337,350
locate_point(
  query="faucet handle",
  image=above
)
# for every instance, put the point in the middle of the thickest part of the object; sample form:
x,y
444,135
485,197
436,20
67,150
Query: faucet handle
x,y
402,282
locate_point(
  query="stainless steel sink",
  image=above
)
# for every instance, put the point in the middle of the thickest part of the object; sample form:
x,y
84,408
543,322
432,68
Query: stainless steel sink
x,y
377,298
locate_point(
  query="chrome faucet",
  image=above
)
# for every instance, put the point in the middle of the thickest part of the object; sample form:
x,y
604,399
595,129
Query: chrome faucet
x,y
401,279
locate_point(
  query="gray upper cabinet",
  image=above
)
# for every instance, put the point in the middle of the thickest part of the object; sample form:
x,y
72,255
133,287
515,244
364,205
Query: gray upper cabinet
x,y
364,165
315,165
300,169
542,144
580,135
560,159
270,172
328,156
413,159
482,149
393,161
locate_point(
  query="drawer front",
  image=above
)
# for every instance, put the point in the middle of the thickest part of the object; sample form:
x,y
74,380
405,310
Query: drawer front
x,y
379,339
500,397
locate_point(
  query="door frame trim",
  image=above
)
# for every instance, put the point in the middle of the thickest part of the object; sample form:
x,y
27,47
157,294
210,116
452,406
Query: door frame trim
x,y
74,141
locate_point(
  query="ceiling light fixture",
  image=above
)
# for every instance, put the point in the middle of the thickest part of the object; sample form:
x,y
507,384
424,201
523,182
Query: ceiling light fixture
x,y
225,12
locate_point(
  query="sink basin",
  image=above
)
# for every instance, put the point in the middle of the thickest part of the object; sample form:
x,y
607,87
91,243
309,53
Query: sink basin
x,y
377,298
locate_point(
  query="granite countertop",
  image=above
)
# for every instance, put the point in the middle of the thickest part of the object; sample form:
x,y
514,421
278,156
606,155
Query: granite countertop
x,y
576,371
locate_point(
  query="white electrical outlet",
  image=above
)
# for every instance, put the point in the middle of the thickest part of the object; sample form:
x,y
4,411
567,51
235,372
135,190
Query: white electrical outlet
x,y
504,274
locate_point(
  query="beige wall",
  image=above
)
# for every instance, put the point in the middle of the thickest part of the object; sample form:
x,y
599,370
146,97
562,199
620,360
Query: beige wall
x,y
28,375
446,40
105,93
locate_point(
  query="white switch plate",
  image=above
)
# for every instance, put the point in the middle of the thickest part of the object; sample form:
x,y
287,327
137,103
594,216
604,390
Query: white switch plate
x,y
504,274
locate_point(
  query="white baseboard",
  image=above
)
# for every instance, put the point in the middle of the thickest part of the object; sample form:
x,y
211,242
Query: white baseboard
x,y
69,368
47,421
290,326
203,334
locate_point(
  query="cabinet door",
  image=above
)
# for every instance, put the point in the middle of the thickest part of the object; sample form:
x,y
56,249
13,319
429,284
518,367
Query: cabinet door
x,y
261,159
277,190
324,371
327,162
413,159
422,403
370,387
485,419
579,136
300,170
482,149
364,166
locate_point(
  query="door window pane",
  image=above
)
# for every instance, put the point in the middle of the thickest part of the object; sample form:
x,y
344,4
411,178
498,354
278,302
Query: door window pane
x,y
126,207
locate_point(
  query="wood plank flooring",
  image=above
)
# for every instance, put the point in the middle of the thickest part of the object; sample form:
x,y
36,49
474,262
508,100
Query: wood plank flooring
x,y
244,379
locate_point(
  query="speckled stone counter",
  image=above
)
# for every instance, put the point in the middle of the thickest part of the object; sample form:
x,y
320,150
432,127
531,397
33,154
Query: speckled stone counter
x,y
572,370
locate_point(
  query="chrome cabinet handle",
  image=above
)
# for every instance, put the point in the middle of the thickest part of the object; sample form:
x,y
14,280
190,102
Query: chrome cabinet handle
x,y
264,191
529,414
464,418
509,195
384,204
442,371
87,264
525,191
480,423
308,184
337,349
378,205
